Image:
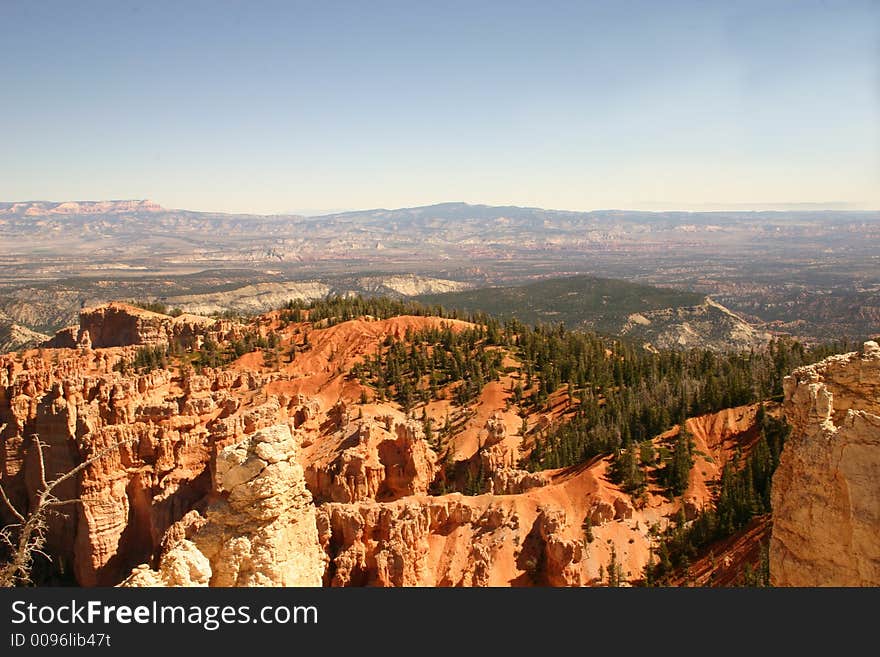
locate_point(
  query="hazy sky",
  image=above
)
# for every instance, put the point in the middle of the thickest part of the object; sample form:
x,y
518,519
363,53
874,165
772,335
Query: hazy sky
x,y
280,106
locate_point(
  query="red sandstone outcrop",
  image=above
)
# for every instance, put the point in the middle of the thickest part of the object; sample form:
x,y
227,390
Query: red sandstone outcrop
x,y
527,531
378,460
78,406
488,540
457,540
446,541
826,507
122,325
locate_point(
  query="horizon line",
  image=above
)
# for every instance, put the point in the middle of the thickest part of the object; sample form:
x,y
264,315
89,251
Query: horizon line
x,y
795,206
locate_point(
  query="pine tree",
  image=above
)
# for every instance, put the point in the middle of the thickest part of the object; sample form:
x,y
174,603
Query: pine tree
x,y
587,526
614,570
626,470
428,428
679,468
646,453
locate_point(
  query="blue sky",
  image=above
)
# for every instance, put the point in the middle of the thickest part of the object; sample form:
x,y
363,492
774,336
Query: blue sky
x,y
279,106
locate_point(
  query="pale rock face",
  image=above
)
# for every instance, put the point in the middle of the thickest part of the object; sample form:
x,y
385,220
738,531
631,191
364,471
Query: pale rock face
x,y
499,456
182,565
259,297
826,507
14,336
708,325
260,532
412,285
512,481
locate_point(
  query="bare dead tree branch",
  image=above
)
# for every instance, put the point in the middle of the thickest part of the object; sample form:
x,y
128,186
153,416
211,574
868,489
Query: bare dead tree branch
x,y
57,502
3,492
32,528
9,505
41,462
92,459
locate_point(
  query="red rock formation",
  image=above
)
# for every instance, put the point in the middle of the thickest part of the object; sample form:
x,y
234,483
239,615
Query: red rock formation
x,y
122,325
162,499
78,406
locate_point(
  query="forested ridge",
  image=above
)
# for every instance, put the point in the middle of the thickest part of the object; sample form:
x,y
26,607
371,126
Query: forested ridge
x,y
619,393
618,396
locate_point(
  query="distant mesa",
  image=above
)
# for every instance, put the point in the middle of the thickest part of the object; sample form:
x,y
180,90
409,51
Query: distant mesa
x,y
50,208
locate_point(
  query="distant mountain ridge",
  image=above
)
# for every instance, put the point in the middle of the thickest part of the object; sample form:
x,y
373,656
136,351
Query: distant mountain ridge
x,y
446,231
812,272
448,211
